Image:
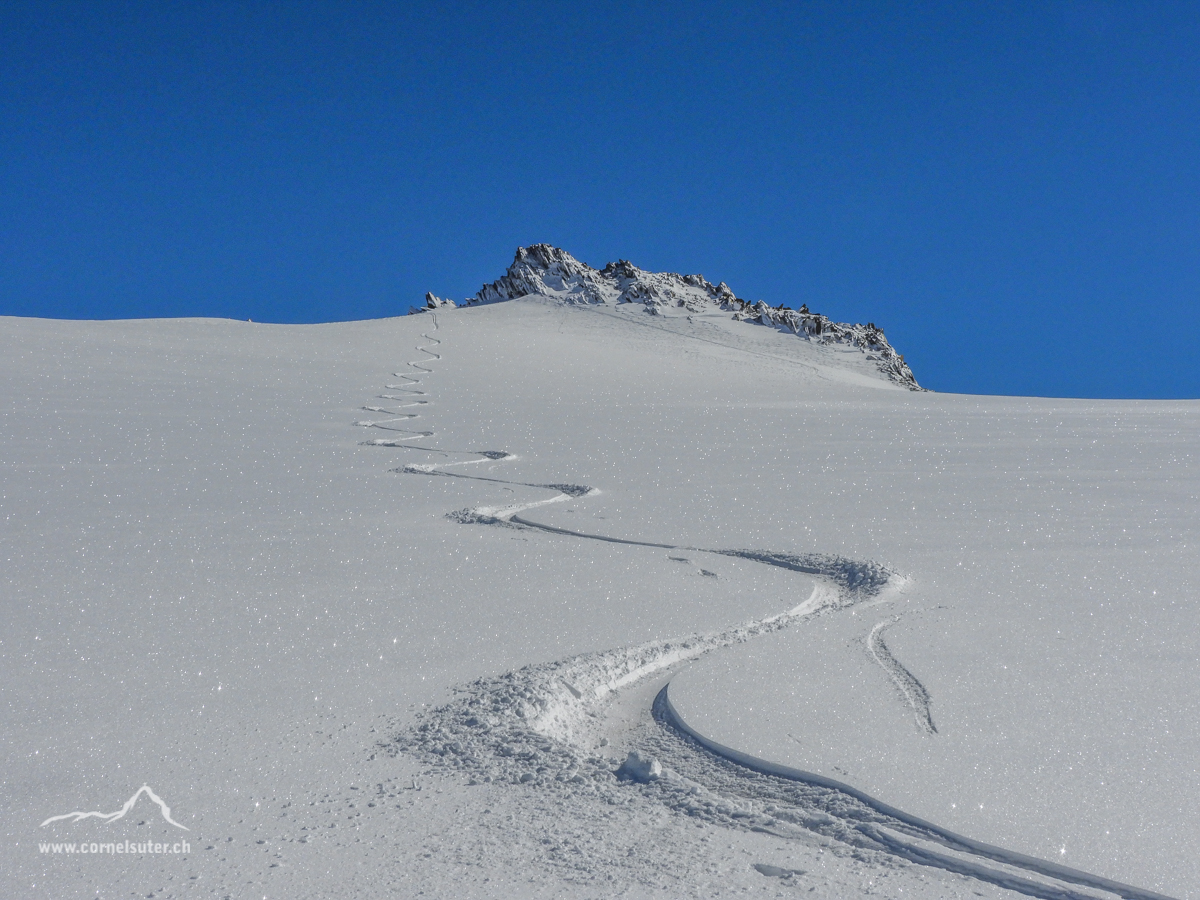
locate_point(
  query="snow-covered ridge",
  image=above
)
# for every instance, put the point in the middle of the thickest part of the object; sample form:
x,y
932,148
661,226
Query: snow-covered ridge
x,y
546,271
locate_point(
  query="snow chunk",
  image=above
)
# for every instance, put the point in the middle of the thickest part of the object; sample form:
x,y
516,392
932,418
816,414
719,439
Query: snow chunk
x,y
640,768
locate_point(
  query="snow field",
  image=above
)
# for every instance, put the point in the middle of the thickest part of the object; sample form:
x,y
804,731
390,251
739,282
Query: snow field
x,y
328,609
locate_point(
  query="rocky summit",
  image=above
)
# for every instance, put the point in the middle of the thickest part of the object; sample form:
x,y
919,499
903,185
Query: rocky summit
x,y
546,271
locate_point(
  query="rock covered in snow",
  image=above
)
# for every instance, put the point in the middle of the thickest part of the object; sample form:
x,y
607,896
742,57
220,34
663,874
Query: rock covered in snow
x,y
432,302
546,271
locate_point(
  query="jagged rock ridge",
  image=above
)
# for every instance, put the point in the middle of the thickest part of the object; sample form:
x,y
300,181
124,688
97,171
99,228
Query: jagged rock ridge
x,y
543,270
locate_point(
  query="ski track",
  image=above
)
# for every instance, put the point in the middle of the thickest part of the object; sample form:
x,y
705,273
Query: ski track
x,y
914,692
544,724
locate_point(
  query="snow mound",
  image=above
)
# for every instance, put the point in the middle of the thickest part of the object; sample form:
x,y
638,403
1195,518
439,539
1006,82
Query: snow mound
x,y
546,271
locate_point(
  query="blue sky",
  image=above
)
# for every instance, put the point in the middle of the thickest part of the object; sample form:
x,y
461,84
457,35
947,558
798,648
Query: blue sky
x,y
1012,191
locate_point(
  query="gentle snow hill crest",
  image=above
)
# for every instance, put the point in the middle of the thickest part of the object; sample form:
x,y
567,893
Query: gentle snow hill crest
x,y
543,270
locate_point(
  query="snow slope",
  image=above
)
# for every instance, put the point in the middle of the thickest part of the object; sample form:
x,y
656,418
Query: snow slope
x,y
380,608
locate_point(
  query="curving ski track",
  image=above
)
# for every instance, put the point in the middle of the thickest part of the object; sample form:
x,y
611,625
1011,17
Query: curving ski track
x,y
541,724
910,686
